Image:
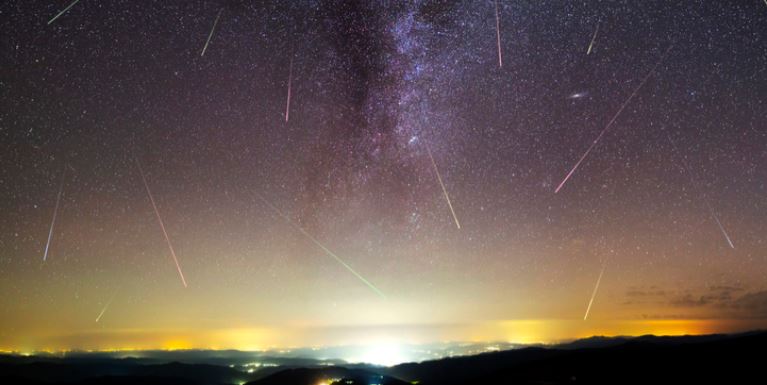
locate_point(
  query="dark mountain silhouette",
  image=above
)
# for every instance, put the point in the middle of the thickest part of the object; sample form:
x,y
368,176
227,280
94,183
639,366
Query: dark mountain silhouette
x,y
112,372
341,375
645,360
596,360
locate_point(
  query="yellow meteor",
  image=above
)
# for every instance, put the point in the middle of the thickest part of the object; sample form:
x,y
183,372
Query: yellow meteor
x,y
594,294
594,38
498,34
444,190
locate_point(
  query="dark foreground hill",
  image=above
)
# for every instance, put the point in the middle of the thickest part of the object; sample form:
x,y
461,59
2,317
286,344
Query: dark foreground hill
x,y
341,376
643,360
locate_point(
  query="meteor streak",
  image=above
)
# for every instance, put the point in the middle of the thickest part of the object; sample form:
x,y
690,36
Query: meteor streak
x,y
321,246
290,83
210,35
55,213
498,34
62,12
724,232
159,220
594,294
105,307
444,190
711,211
612,120
594,38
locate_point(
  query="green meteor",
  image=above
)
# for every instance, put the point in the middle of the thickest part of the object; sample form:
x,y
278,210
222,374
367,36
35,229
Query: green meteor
x,y
62,12
321,246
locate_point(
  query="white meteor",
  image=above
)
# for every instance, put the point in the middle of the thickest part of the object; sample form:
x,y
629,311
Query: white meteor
x,y
721,228
62,12
444,190
686,168
55,214
594,294
210,35
159,220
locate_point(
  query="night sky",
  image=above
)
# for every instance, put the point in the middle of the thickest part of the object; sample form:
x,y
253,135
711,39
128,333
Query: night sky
x,y
330,224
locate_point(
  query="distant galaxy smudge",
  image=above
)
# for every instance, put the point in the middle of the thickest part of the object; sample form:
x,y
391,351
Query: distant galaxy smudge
x,y
612,120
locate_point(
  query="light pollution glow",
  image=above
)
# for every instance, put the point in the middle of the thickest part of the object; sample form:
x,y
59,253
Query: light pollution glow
x,y
292,337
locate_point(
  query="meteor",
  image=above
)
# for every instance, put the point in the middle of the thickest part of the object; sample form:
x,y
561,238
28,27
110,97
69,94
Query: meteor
x,y
594,294
159,220
55,213
210,35
721,228
594,38
612,120
444,190
321,246
105,307
498,34
686,168
62,12
290,83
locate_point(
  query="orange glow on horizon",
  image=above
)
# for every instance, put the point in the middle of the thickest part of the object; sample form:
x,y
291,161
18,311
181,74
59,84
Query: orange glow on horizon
x,y
531,331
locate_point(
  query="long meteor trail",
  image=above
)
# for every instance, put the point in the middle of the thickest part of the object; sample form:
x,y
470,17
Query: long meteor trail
x,y
686,168
159,220
612,120
321,246
62,12
444,190
210,35
593,39
55,213
594,294
290,84
498,34
721,228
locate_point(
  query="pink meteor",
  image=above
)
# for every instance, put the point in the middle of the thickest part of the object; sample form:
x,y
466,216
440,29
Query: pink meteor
x,y
612,120
159,220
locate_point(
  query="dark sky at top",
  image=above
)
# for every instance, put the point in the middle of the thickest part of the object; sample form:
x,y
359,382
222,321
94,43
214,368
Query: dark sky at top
x,y
374,87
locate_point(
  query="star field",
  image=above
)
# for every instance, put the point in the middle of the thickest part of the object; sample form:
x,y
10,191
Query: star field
x,y
334,220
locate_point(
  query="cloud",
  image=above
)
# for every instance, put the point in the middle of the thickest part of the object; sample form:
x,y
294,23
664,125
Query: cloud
x,y
688,300
723,300
652,291
753,304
